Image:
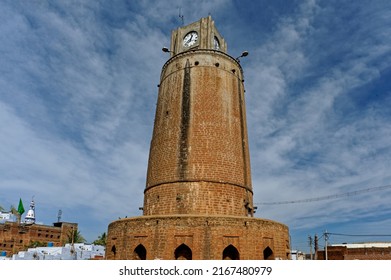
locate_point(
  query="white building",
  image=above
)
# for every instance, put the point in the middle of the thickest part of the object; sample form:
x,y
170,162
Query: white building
x,y
297,255
7,217
79,251
363,245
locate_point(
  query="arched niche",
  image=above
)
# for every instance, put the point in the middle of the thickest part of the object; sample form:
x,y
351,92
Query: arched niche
x,y
231,253
140,253
268,254
183,252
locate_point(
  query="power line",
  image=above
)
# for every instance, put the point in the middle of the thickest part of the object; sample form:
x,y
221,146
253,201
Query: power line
x,y
328,197
360,235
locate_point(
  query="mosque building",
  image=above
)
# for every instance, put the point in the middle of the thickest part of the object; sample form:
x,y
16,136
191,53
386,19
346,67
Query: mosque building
x,y
16,235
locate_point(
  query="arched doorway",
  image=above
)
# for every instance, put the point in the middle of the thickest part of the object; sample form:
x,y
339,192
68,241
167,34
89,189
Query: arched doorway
x,y
183,252
268,254
231,253
140,253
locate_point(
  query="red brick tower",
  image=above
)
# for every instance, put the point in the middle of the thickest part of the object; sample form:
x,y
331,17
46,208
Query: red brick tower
x,y
198,201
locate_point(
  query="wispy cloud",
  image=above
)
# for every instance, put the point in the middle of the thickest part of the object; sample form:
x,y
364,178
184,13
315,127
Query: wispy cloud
x,y
74,107
308,138
78,93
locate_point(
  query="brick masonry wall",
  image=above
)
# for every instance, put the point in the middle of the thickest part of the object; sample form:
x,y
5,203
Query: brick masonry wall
x,y
206,236
344,253
16,237
200,133
198,195
197,198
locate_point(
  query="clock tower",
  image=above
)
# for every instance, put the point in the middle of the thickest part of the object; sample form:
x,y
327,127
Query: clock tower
x,y
198,35
198,198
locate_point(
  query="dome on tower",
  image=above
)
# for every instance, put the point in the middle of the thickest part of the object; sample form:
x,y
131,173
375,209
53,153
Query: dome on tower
x,y
30,216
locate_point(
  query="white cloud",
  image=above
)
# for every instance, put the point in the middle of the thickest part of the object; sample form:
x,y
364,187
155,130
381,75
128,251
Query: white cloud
x,y
78,93
303,146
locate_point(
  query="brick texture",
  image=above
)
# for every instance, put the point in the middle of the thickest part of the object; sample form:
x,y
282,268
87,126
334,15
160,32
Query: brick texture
x,y
15,237
206,236
198,200
344,253
210,148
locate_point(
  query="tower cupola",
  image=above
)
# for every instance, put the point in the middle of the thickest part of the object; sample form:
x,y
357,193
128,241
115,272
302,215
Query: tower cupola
x,y
196,36
30,216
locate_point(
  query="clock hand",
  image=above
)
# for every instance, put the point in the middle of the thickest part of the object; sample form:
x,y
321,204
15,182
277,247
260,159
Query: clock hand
x,y
191,37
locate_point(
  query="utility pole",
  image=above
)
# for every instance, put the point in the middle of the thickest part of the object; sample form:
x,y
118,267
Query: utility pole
x,y
316,247
326,238
310,243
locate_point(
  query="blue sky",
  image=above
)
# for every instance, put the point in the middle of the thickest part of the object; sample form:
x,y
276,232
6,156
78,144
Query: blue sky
x,y
78,89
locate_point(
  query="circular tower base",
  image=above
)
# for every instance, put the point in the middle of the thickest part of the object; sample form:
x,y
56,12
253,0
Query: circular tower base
x,y
197,237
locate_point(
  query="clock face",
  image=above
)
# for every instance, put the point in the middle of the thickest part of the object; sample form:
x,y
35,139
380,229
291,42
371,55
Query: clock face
x,y
190,39
216,43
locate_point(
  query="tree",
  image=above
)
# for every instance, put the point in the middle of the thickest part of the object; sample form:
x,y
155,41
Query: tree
x,y
101,240
35,244
74,236
13,210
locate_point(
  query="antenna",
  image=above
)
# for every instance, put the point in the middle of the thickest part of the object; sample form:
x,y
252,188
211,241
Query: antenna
x,y
59,215
181,16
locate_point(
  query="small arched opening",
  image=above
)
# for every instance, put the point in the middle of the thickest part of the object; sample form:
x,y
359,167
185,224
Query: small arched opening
x,y
140,253
183,252
113,250
231,253
268,254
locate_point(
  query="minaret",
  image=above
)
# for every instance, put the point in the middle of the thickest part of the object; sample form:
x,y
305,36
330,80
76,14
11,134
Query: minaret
x,y
198,199
30,216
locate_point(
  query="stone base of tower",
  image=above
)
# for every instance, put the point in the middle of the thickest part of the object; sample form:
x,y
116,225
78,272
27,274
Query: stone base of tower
x,y
197,238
